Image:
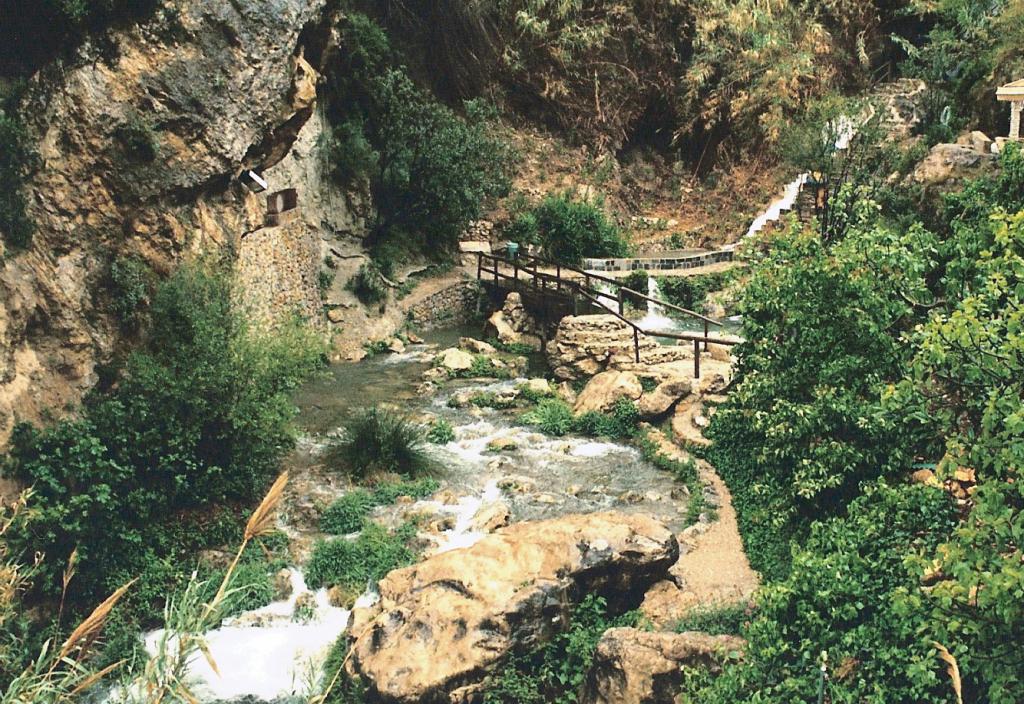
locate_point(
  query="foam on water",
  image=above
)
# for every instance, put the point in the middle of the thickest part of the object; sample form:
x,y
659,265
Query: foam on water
x,y
656,320
266,653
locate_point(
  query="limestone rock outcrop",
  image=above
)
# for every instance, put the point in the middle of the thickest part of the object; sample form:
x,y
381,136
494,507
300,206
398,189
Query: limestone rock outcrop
x,y
638,667
952,164
606,389
656,403
224,87
441,625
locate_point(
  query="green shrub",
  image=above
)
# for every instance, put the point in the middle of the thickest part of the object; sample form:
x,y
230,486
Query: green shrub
x,y
200,417
553,416
492,400
389,492
350,153
620,423
368,284
483,367
684,471
530,395
691,292
16,160
569,230
353,564
131,284
717,620
379,441
844,597
637,281
516,348
347,514
441,432
556,671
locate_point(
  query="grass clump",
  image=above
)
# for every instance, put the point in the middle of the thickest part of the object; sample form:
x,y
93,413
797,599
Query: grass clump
x,y
483,368
352,564
440,432
379,441
131,285
552,416
516,348
347,514
490,399
684,471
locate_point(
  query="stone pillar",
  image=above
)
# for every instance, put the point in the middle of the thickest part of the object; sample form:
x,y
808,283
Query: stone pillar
x,y
1015,109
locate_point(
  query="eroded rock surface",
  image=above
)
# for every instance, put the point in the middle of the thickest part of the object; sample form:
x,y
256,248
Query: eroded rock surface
x,y
638,667
225,89
513,325
585,345
442,624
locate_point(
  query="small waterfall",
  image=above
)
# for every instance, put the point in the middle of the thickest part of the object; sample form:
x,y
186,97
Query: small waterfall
x,y
656,319
607,296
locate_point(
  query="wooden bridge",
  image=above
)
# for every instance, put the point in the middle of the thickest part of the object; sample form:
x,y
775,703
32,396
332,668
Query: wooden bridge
x,y
554,291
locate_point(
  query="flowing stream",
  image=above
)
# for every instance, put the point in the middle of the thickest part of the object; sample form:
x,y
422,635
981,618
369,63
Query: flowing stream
x,y
269,655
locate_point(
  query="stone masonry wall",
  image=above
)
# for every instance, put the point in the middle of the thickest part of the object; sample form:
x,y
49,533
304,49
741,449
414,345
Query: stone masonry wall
x,y
452,305
278,269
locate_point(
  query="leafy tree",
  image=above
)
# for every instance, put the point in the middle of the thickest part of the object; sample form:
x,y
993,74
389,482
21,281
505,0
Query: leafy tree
x,y
968,379
843,597
802,429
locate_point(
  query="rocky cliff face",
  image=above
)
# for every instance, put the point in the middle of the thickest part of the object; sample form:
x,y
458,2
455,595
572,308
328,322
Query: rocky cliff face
x,y
141,146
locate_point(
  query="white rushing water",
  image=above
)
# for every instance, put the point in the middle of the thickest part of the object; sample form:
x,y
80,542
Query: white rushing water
x,y
271,652
655,319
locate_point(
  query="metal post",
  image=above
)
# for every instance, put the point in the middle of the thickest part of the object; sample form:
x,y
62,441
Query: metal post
x,y
558,275
636,344
705,336
515,275
696,359
622,302
479,265
575,304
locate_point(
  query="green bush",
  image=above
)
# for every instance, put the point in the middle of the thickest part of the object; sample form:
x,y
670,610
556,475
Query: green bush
x,y
553,416
429,171
620,423
368,284
200,417
379,441
844,597
131,285
637,281
347,514
353,564
569,230
441,432
16,159
691,292
717,620
389,492
556,671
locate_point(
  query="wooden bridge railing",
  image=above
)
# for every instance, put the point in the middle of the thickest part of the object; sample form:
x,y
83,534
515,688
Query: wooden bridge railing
x,y
566,281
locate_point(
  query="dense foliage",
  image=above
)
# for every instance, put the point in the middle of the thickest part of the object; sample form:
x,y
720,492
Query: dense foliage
x,y
843,598
16,158
199,420
428,170
556,671
568,230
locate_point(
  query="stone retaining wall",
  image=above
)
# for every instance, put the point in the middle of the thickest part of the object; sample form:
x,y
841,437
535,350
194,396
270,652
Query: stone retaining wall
x,y
450,306
662,263
277,269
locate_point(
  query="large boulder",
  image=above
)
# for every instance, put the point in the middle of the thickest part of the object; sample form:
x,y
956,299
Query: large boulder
x,y
638,667
665,395
442,625
606,389
952,164
455,360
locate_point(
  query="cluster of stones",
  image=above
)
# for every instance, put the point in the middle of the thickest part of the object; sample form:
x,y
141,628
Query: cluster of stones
x,y
513,325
